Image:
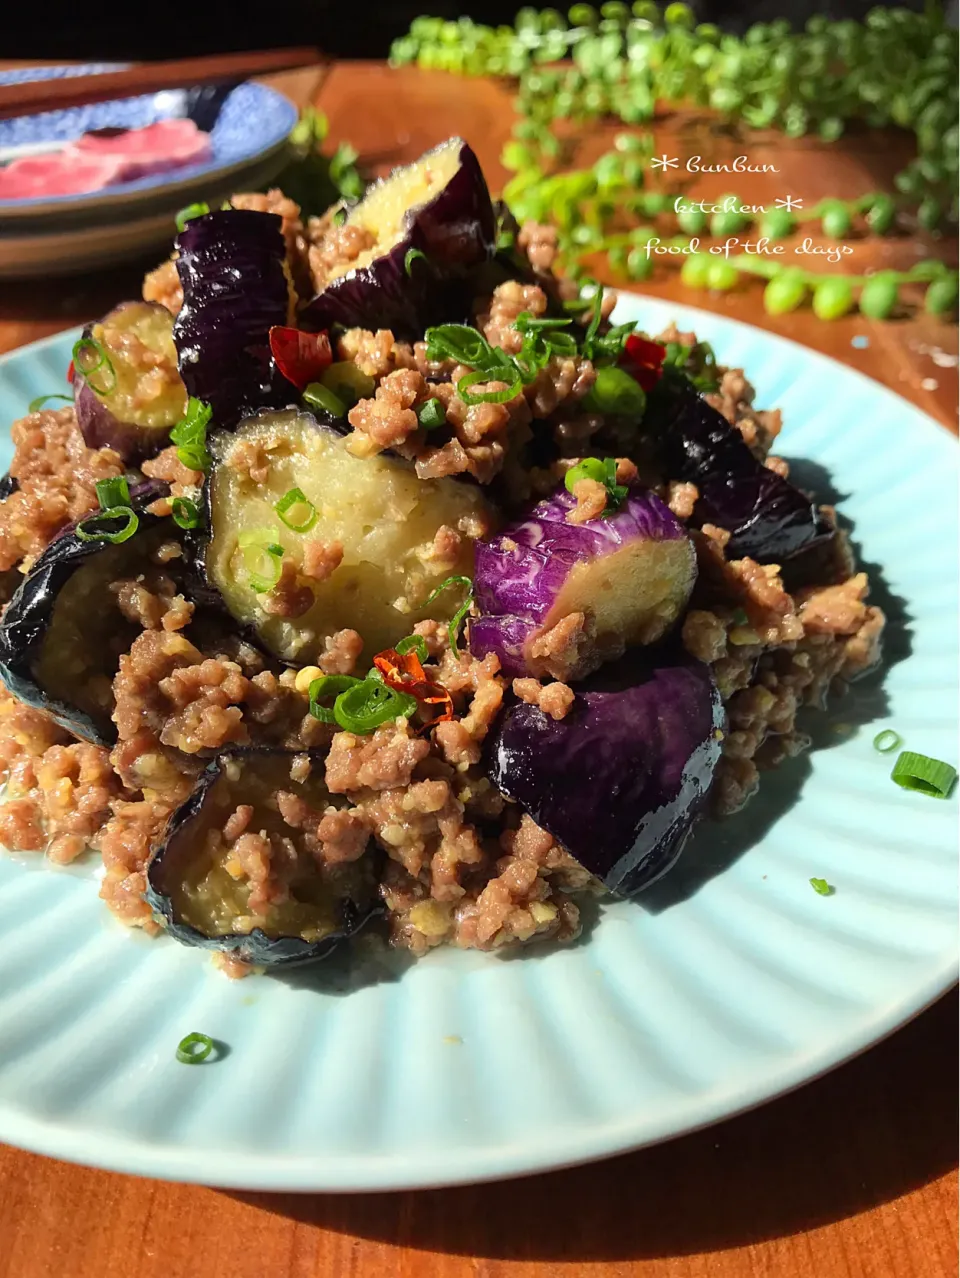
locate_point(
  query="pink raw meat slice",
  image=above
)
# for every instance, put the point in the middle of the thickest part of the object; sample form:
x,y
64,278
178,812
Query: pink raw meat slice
x,y
64,172
168,144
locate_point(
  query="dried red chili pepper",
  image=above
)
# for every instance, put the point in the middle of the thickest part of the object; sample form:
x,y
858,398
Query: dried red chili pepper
x,y
643,360
406,674
71,372
300,357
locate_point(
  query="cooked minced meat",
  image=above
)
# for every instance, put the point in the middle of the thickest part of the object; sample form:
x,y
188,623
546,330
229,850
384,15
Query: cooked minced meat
x,y
461,864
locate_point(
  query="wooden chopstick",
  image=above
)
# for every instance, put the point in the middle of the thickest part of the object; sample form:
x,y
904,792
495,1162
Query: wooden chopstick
x,y
148,77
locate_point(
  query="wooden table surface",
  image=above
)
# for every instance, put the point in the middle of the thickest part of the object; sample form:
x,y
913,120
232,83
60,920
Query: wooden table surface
x,y
853,1176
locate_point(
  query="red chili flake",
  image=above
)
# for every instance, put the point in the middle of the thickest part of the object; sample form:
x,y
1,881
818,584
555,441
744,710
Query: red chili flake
x,y
300,357
71,372
406,674
644,360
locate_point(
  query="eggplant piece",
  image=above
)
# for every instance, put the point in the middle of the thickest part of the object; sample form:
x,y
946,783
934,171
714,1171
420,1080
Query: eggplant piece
x,y
620,780
768,518
631,576
133,410
383,518
198,888
428,226
9,484
61,638
232,266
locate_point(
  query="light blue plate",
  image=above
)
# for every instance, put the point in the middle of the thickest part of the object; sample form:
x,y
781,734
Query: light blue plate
x,y
253,122
728,984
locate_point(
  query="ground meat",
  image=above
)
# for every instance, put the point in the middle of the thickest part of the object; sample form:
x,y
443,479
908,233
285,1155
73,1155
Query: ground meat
x,y
378,762
57,475
591,498
508,301
342,835
376,354
559,648
290,597
834,610
249,457
168,467
339,248
554,699
342,652
681,498
561,382
274,201
321,558
387,419
540,245
163,285
153,605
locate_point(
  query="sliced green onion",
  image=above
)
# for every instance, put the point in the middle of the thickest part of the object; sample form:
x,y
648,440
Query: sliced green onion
x,y
925,775
190,434
348,383
821,887
589,468
417,643
190,212
411,257
487,397
112,493
87,369
364,708
319,396
262,558
431,414
297,511
329,687
454,624
89,529
887,741
194,1049
36,404
186,513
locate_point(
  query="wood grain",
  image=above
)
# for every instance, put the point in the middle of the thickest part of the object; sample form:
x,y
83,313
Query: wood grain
x,y
853,1176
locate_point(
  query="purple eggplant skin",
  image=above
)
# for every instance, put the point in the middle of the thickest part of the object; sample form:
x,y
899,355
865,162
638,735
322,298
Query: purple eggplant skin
x,y
29,622
232,266
621,779
9,484
769,519
169,872
97,415
456,233
631,574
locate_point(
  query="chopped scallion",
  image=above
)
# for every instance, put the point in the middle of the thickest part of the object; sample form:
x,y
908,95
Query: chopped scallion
x,y
328,688
190,435
262,558
415,642
35,405
90,529
319,396
89,348
925,775
112,493
411,256
185,512
887,741
822,887
454,626
194,1049
488,397
190,212
362,709
297,511
431,414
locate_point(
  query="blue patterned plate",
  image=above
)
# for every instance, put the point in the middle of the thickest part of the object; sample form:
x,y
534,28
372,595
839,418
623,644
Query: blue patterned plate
x,y
727,984
247,124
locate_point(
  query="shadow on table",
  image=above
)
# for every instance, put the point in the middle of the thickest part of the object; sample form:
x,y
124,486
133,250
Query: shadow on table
x,y
870,1132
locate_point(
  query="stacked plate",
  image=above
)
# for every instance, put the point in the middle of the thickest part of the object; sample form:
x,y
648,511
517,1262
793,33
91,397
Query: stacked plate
x,y
248,125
